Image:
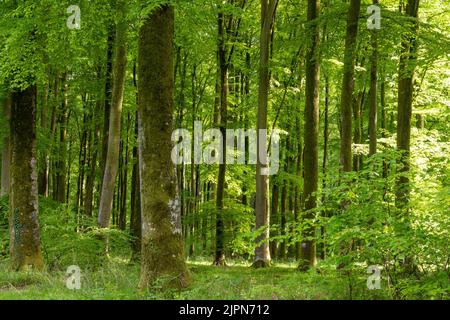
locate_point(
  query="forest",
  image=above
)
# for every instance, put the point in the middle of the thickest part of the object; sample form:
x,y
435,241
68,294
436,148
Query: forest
x,y
225,149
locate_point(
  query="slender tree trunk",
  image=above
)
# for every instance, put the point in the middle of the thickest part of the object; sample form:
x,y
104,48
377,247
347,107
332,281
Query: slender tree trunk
x,y
274,216
93,147
162,244
311,134
383,124
24,209
135,217
112,158
219,259
408,59
348,85
262,251
63,119
108,96
124,184
82,158
6,152
43,175
325,163
373,93
282,246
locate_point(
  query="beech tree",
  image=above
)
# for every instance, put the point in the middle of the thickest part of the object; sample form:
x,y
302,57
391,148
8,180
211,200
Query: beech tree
x,y
23,204
406,69
112,158
162,247
348,83
311,136
262,251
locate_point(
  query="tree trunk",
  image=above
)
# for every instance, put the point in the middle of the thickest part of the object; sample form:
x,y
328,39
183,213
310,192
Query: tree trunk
x,y
43,174
108,96
373,93
162,246
6,152
61,170
323,250
348,85
274,216
24,225
262,251
408,59
219,259
112,158
311,134
93,146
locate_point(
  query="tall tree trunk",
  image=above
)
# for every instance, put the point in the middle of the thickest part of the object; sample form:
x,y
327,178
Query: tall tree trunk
x,y
262,251
93,147
63,119
162,245
219,258
283,240
24,225
135,216
108,95
348,83
325,162
124,184
373,93
384,129
43,174
112,158
6,152
311,134
408,59
273,244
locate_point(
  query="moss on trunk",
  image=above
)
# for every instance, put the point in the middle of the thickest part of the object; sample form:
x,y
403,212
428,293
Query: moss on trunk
x,y
24,225
162,244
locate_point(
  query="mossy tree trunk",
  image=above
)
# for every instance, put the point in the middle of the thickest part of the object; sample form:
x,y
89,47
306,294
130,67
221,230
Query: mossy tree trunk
x,y
24,225
162,244
6,152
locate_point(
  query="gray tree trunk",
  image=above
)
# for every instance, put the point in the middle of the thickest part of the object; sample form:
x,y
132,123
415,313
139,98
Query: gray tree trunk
x,y
112,157
262,252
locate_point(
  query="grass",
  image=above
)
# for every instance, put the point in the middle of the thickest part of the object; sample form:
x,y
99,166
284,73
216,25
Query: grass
x,y
117,279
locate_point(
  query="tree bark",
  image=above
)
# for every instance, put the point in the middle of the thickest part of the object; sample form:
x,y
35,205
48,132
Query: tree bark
x,y
262,251
373,93
61,170
348,82
162,246
219,259
408,59
24,225
6,152
112,158
311,134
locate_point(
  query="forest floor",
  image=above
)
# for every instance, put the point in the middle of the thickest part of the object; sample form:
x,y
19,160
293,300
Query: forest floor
x,y
118,279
